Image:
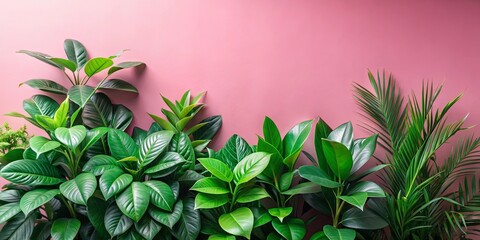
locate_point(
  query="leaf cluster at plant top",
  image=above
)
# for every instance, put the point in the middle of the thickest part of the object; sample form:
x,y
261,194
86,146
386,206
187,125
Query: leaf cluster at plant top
x,y
89,179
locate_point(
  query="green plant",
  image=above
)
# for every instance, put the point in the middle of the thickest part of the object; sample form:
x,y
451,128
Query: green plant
x,y
337,170
420,203
12,143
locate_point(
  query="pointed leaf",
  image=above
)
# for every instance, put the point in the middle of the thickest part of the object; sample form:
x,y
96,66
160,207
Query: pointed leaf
x,y
252,194
154,145
357,199
238,222
80,94
210,185
98,164
42,57
339,234
40,105
342,134
121,144
372,189
316,175
271,134
132,201
217,168
292,229
161,195
294,140
166,218
98,111
147,227
19,227
124,65
250,167
280,213
96,65
65,229
46,85
188,226
41,145
366,219
36,198
79,189
72,137
115,222
76,52
31,172
8,211
338,157
210,129
207,201
114,181
234,150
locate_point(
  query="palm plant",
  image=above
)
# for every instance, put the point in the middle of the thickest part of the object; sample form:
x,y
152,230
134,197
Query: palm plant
x,y
421,203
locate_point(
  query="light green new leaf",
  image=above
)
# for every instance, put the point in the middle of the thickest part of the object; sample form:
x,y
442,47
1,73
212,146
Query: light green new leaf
x,y
357,199
250,167
96,65
238,222
217,168
132,201
339,234
252,194
339,158
36,198
79,189
210,185
65,229
294,140
207,201
280,213
65,63
271,134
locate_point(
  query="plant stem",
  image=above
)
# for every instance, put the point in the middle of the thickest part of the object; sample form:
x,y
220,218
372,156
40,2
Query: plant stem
x,y
69,207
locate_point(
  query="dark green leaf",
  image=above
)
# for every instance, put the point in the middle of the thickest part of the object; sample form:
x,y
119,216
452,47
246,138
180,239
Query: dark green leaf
x,y
124,65
372,189
303,188
115,222
71,137
40,105
41,145
98,164
208,130
217,168
132,201
8,211
80,94
292,229
122,117
356,199
271,134
31,172
322,130
121,144
42,57
46,85
366,219
98,111
147,227
65,229
316,175
161,195
154,145
166,218
36,198
234,150
294,140
76,52
19,227
114,181
343,134
117,84
338,234
96,209
280,213
188,226
338,157
363,150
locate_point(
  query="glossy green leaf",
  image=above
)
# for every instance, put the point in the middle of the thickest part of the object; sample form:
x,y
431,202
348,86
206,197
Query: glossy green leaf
x,y
79,189
294,140
342,134
221,237
322,130
250,167
366,219
93,135
40,105
42,57
338,157
363,150
41,145
167,164
356,199
19,227
8,211
359,175
211,127
98,164
318,176
280,213
338,234
207,201
166,218
303,188
46,85
117,84
96,209
121,118
163,123
372,189
275,166
252,194
188,226
272,134
62,113
36,198
31,172
181,144
234,150
98,111
132,201
115,222
42,230
217,168
210,185
121,144
113,181
238,222
154,145
80,94
147,227
71,137
286,179
292,229
161,195
65,229
65,63
124,65
96,65
76,52
261,216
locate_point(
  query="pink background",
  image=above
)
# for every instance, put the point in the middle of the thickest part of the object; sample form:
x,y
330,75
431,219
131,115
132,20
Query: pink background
x,y
290,60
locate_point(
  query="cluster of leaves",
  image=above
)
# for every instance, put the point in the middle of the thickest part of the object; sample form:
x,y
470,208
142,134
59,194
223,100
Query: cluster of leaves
x,y
421,202
12,141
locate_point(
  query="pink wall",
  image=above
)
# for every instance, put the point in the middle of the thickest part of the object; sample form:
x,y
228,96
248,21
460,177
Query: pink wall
x,y
291,60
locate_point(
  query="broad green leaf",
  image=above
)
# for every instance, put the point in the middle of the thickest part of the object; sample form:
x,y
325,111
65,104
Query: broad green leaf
x,y
252,194
181,144
275,166
65,229
96,65
372,189
338,157
98,164
166,218
8,211
40,105
41,145
318,176
46,123
117,84
65,63
96,209
167,164
113,181
124,65
234,150
303,188
363,150
342,134
338,234
72,137
207,201
322,130
80,94
280,213
147,227
42,57
46,85
154,145
250,167
98,111
271,134
61,115
115,222
121,118
210,185
75,52
294,140
132,201
31,172
238,222
364,220
36,198
161,195
357,199
93,135
79,189
188,226
19,227
121,144
261,216
211,127
286,179
217,168
292,229
10,195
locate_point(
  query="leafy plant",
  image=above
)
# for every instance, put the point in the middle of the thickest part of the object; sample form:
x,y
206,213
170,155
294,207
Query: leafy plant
x,y
420,203
337,170
12,143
